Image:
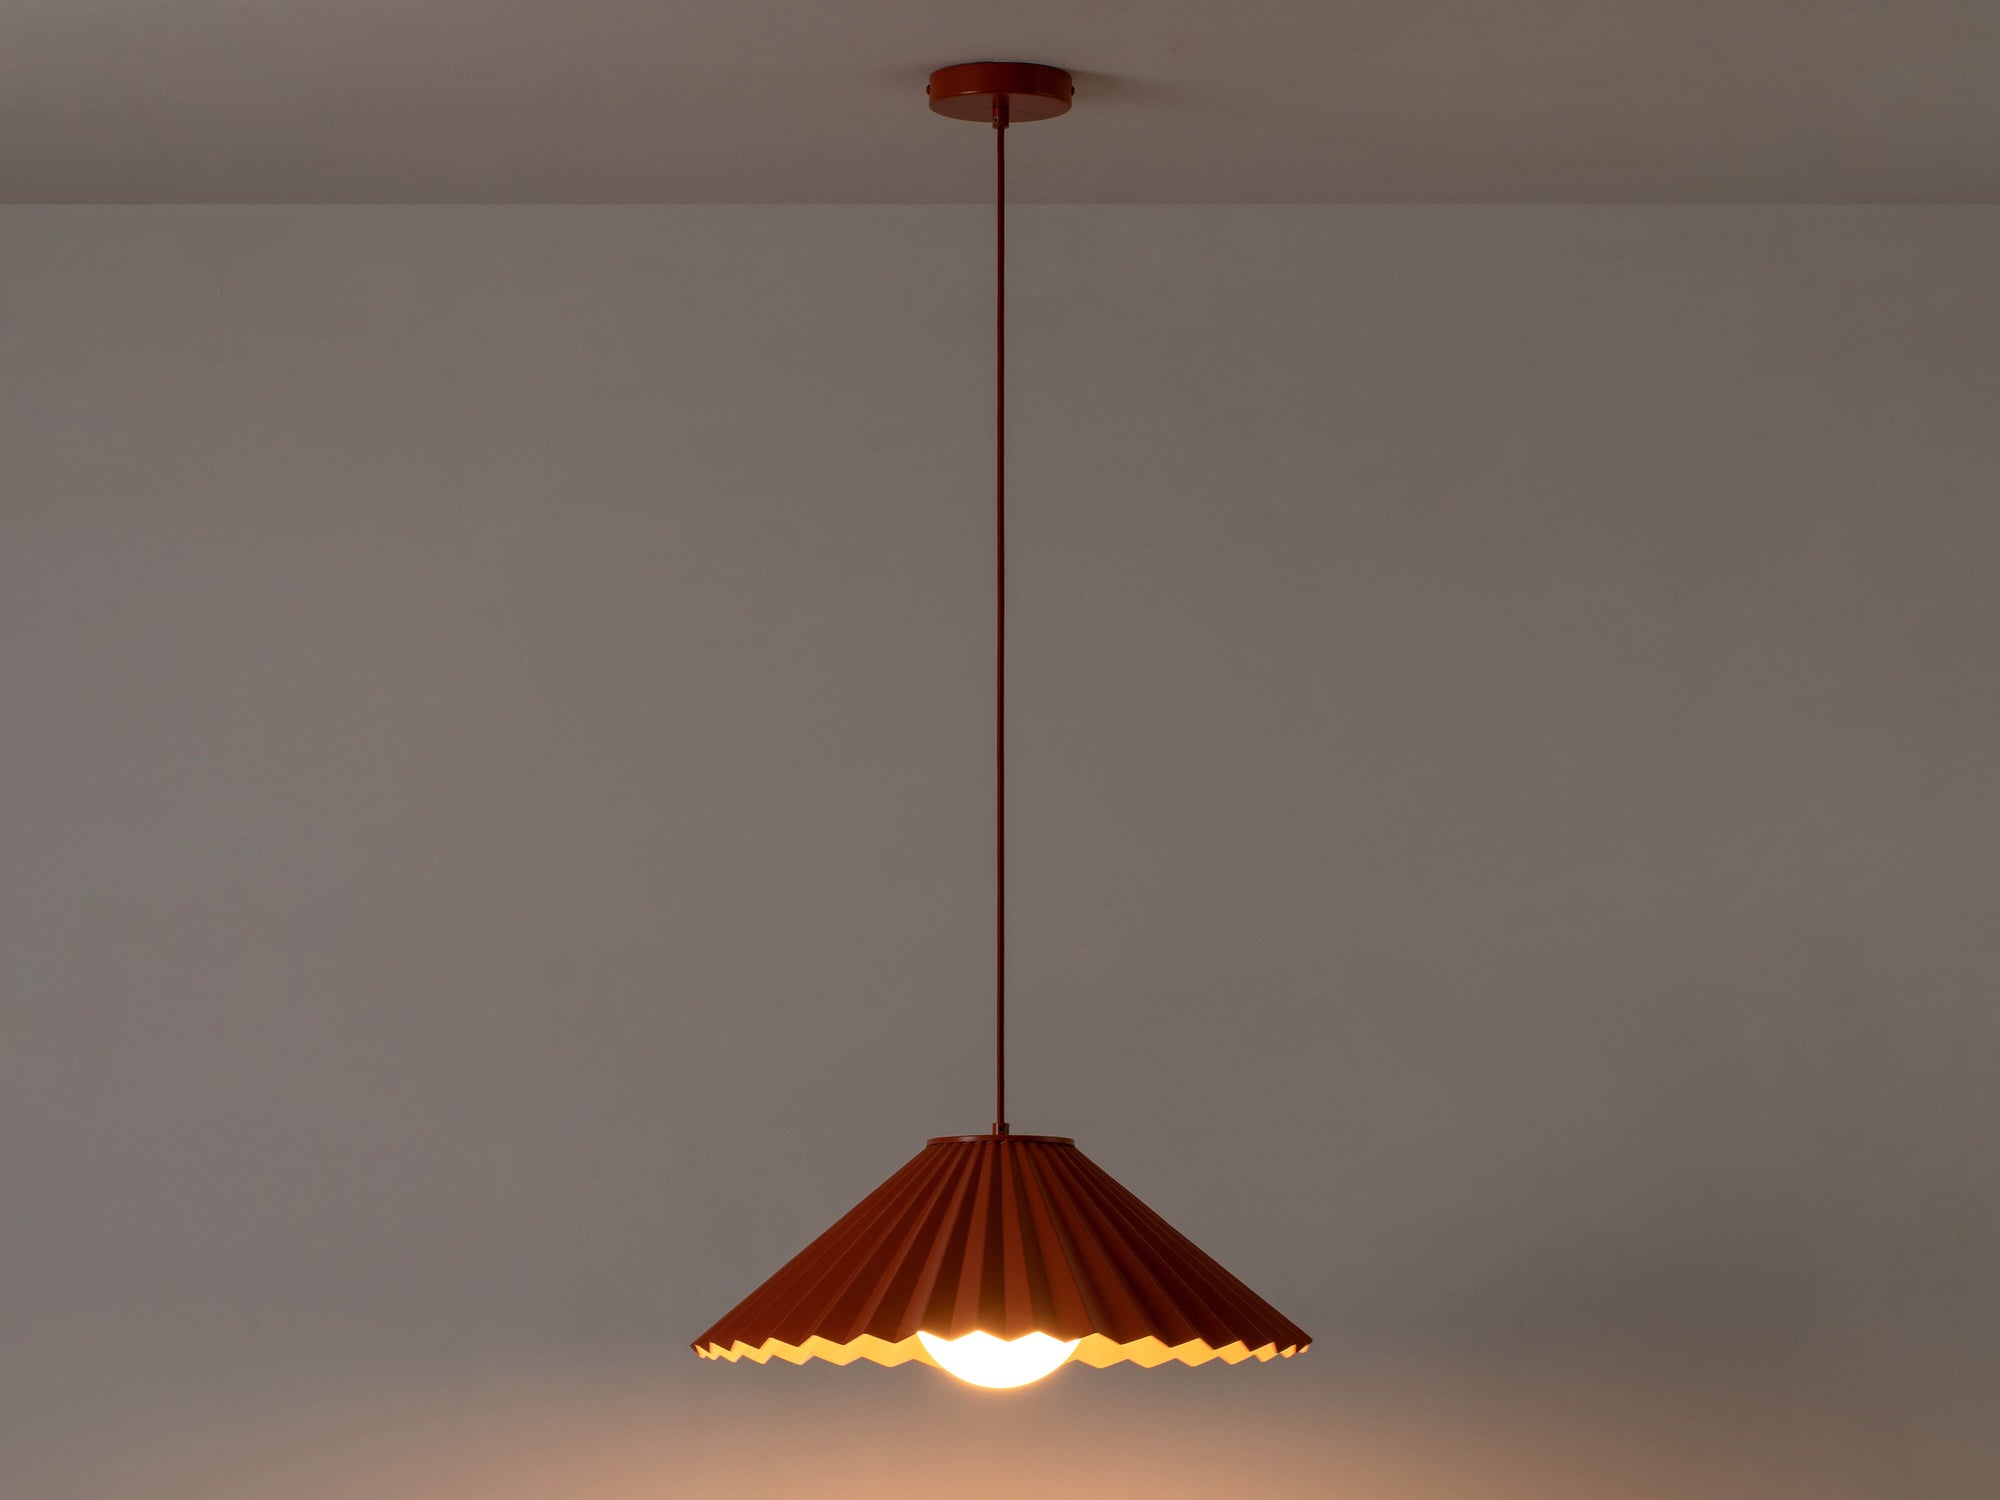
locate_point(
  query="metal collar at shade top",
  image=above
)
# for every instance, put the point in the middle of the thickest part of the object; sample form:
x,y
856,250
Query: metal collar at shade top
x,y
1008,1236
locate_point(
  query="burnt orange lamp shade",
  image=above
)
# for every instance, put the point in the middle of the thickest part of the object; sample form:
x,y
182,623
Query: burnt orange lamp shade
x,y
999,1240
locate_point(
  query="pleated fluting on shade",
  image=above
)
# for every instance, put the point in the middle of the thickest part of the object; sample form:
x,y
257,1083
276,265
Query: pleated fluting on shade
x,y
1006,1235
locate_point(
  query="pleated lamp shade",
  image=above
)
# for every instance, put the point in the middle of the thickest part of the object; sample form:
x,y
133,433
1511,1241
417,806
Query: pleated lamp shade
x,y
1006,1235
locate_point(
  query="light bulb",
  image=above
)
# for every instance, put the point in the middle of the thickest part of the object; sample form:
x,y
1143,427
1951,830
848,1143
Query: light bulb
x,y
999,1364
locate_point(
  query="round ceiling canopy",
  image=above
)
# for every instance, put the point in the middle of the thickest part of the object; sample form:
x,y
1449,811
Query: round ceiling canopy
x,y
1031,91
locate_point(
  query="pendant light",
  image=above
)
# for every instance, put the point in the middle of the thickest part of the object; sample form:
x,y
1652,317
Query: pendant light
x,y
999,1257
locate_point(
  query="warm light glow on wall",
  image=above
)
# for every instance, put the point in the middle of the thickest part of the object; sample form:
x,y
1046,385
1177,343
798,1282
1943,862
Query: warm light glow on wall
x,y
999,1364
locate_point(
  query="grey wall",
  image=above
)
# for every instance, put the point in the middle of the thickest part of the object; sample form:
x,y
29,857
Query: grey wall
x,y
494,856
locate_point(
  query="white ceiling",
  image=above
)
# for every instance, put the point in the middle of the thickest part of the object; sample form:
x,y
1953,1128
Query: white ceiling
x,y
822,100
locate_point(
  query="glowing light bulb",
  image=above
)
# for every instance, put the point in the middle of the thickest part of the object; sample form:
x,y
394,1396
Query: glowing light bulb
x,y
999,1364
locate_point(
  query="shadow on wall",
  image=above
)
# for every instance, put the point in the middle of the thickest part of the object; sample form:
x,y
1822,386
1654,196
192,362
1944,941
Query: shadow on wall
x,y
843,1435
